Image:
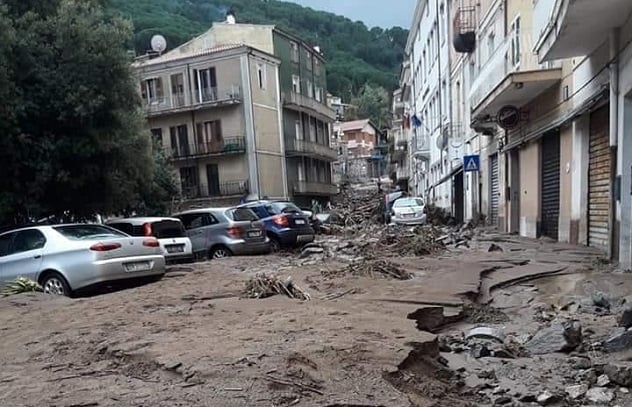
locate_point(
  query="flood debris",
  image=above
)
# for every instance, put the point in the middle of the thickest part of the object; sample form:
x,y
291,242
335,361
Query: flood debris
x,y
264,286
372,269
620,341
624,318
431,319
560,336
600,395
576,391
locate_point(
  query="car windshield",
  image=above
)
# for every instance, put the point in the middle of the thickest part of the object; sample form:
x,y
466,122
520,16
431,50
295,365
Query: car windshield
x,y
241,214
87,232
408,203
276,208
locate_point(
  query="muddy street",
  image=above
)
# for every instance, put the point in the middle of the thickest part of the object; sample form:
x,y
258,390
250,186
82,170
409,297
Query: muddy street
x,y
525,324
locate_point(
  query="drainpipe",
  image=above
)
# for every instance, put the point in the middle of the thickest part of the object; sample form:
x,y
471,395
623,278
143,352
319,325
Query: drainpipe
x,y
614,139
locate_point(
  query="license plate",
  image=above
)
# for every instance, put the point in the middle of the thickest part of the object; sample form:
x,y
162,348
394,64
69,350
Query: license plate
x,y
137,266
304,238
299,221
409,215
254,233
176,248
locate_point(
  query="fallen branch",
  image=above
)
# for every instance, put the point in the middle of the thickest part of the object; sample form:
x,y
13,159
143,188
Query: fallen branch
x,y
264,286
295,384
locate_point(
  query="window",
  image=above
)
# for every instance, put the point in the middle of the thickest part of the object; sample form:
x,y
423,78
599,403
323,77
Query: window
x,y
177,89
206,84
151,90
179,138
209,136
319,94
296,84
316,67
442,23
310,88
197,220
297,129
515,42
156,137
261,75
5,243
491,44
424,61
241,215
308,59
294,51
88,232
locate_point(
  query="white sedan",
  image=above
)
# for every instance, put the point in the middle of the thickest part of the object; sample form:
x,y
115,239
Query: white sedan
x,y
408,211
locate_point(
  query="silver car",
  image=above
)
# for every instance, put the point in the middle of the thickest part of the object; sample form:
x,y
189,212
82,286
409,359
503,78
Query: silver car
x,y
223,232
408,211
65,258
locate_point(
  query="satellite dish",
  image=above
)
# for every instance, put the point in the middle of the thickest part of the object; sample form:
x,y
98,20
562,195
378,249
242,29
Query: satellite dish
x,y
158,43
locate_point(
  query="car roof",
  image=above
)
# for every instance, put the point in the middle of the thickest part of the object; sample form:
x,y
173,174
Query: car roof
x,y
204,210
49,226
141,220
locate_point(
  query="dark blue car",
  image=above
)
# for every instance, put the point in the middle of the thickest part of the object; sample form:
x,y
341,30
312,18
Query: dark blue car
x,y
286,224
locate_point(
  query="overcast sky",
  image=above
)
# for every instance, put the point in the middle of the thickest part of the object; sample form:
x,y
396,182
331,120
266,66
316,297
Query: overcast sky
x,y
373,13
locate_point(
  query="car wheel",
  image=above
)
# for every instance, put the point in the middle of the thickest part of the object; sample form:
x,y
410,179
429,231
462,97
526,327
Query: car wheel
x,y
55,284
219,252
275,245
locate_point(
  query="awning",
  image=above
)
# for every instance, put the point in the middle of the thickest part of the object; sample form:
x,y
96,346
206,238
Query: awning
x,y
550,124
455,170
517,89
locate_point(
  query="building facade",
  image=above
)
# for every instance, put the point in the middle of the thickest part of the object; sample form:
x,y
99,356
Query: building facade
x,y
306,120
216,113
361,148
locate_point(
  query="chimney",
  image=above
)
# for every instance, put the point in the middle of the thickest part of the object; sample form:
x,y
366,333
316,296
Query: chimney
x,y
230,16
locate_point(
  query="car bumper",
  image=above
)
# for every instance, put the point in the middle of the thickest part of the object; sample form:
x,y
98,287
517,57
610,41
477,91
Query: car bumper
x,y
179,258
418,220
295,237
250,248
114,270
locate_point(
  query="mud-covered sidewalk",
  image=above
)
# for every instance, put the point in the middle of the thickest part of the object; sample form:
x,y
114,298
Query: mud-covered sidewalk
x,y
362,340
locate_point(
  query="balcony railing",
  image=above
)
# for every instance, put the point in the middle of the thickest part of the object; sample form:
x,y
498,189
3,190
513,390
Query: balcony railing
x,y
317,188
230,145
302,102
310,148
190,99
218,190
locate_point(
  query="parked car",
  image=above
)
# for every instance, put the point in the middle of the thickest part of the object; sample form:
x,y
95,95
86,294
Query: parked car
x,y
65,258
408,211
386,206
223,232
286,224
176,245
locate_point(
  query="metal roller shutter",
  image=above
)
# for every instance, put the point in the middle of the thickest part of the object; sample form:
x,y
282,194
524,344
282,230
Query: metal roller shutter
x,y
494,189
550,185
599,180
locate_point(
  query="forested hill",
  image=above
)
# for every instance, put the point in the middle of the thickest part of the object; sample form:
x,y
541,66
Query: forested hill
x,y
355,54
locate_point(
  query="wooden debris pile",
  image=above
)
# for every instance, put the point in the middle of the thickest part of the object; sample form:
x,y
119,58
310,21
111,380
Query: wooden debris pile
x,y
264,286
419,241
371,268
356,206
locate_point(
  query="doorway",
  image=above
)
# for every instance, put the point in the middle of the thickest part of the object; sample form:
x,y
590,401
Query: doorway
x,y
212,177
514,191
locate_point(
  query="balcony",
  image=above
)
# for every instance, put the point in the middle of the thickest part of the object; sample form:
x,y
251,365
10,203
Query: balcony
x,y
198,99
420,149
314,188
511,76
229,145
218,190
302,103
295,147
573,28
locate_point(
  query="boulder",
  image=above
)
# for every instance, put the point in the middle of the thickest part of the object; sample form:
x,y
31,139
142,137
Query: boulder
x,y
580,362
546,398
603,380
600,395
621,340
560,336
601,300
624,318
577,391
619,373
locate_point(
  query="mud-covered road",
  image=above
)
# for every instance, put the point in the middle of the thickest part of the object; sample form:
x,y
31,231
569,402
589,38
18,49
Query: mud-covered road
x,y
192,340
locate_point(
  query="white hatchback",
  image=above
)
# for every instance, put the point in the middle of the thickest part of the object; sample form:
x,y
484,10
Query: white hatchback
x,y
170,232
408,211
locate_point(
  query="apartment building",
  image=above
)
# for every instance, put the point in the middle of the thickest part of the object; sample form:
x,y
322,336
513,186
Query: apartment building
x,y
361,150
306,120
216,112
400,134
437,162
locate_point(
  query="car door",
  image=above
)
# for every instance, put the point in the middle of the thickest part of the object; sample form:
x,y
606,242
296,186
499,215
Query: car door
x,y
195,225
25,255
5,246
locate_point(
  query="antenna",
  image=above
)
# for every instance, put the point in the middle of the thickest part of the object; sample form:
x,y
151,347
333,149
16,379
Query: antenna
x,y
158,43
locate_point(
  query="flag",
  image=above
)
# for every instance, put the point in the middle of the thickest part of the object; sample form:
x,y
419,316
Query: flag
x,y
415,120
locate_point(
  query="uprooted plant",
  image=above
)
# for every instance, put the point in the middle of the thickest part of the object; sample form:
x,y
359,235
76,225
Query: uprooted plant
x,y
264,286
21,285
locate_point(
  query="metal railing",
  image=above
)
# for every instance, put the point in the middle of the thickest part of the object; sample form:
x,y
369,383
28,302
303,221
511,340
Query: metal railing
x,y
305,187
182,100
299,100
311,148
229,145
220,189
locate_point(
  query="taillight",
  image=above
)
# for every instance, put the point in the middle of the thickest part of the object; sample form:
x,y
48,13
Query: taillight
x,y
147,229
281,220
234,232
151,243
105,247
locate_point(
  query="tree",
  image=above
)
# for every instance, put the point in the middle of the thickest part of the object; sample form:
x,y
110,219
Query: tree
x,y
73,141
373,103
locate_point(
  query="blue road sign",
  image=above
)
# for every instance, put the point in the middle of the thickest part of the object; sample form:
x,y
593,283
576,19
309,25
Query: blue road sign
x,y
471,163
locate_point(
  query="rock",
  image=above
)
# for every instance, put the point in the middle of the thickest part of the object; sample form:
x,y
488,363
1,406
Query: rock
x,y
560,336
601,299
478,350
577,391
309,251
619,373
502,400
588,376
527,398
429,318
487,374
603,380
599,395
486,332
624,390
495,248
624,318
579,362
621,340
546,397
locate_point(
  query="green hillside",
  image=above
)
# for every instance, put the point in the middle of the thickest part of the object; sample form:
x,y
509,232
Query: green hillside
x,y
356,55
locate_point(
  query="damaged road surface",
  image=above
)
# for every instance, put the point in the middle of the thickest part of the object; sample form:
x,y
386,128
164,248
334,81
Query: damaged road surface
x,y
362,339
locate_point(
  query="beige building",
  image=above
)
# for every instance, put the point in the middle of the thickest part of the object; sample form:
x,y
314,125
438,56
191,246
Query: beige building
x,y
216,113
